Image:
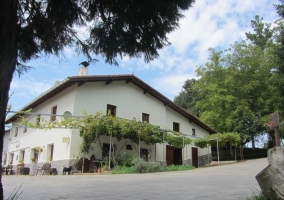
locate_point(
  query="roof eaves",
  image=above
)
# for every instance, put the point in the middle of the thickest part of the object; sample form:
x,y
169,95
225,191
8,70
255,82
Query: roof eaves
x,y
28,106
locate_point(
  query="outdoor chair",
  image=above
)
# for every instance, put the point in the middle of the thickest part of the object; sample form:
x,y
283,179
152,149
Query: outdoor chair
x,y
9,170
44,169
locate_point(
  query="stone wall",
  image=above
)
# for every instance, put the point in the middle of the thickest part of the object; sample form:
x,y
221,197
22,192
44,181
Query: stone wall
x,y
187,162
54,164
204,160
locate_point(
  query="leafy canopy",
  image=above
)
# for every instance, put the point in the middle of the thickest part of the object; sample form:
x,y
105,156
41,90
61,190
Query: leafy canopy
x,y
92,126
113,28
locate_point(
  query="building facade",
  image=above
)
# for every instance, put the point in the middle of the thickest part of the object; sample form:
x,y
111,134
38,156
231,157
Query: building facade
x,y
126,96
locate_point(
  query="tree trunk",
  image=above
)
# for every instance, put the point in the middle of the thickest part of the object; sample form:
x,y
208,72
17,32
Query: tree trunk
x,y
271,179
252,141
8,60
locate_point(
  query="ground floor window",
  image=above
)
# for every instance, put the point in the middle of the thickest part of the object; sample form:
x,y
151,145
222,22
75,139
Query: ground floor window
x,y
50,150
145,154
105,149
22,156
11,158
34,156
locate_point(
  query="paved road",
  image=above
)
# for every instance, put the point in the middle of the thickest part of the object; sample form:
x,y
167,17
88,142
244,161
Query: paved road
x,y
233,181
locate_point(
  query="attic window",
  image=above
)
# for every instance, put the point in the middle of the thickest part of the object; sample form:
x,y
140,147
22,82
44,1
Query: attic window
x,y
176,127
129,147
38,120
193,132
145,117
16,132
111,109
53,112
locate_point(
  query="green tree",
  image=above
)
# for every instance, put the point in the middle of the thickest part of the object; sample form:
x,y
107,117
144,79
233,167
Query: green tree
x,y
188,97
29,28
263,34
279,55
264,37
237,90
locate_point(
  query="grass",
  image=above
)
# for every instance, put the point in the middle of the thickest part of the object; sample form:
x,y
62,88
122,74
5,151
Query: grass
x,y
257,197
15,194
133,170
124,170
179,168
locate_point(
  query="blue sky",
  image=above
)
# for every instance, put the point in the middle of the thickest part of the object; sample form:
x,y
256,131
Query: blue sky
x,y
209,23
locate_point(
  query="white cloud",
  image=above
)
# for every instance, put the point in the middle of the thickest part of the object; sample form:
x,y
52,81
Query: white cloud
x,y
209,23
216,24
170,84
27,90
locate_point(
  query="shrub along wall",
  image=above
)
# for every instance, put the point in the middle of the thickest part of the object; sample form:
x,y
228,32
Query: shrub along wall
x,y
249,153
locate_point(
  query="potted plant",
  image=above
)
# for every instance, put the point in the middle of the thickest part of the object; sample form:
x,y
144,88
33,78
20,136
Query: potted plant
x,y
38,149
21,161
100,169
33,160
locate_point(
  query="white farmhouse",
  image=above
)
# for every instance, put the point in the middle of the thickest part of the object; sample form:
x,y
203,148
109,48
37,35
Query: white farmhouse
x,y
126,96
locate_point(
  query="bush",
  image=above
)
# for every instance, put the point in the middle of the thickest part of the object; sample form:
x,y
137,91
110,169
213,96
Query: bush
x,y
124,170
179,167
257,197
124,159
140,165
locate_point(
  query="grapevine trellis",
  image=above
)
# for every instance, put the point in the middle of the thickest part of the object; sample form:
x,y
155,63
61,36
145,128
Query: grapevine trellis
x,y
92,126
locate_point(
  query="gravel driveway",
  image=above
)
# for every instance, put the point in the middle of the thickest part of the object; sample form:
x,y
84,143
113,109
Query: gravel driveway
x,y
232,181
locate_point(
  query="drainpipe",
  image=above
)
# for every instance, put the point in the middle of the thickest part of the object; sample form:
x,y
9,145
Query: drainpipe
x,y
183,149
109,154
163,146
218,151
208,154
139,147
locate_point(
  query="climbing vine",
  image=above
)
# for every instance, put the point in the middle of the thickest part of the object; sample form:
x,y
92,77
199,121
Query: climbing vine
x,y
223,139
92,126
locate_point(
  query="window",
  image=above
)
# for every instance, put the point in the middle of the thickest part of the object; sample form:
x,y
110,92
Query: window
x,y
111,109
34,156
5,159
22,156
193,131
50,150
53,112
106,149
144,154
11,158
129,147
176,127
38,120
16,131
145,117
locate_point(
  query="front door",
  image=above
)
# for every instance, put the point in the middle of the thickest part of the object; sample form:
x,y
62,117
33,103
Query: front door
x,y
173,156
194,154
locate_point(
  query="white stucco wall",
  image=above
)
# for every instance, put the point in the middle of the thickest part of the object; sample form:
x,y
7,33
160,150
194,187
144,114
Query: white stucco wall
x,y
6,143
128,98
27,141
92,97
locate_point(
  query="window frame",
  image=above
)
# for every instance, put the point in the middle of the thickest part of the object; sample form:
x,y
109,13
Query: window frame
x,y
176,127
112,109
147,117
53,112
16,131
193,132
38,120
